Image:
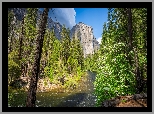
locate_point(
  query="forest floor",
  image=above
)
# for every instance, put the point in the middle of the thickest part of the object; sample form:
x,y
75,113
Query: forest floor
x,y
136,100
132,102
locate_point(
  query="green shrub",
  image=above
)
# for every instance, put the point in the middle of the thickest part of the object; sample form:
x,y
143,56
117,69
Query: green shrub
x,y
14,70
114,75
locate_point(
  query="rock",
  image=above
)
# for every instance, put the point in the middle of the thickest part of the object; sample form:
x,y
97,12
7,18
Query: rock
x,y
80,30
110,103
129,101
140,96
85,34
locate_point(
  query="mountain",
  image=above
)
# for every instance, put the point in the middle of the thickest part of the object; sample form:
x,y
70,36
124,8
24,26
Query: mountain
x,y
80,30
87,39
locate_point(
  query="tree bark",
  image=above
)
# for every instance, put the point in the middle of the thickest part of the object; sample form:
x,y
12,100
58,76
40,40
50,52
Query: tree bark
x,y
139,85
11,42
130,28
130,45
20,45
31,97
20,39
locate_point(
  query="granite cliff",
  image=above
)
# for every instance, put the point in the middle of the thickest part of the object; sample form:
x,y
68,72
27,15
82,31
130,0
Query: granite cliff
x,y
87,39
80,30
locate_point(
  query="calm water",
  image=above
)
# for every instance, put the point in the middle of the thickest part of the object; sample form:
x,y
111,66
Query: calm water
x,y
81,97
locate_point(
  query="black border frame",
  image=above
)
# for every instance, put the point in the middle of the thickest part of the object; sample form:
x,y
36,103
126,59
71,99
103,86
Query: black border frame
x,y
6,5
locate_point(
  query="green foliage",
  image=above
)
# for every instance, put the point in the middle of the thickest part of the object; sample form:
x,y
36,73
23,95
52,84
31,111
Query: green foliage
x,y
79,71
64,58
12,96
30,23
113,73
87,63
123,100
59,60
69,58
49,72
30,32
45,83
10,19
116,60
14,71
63,62
65,42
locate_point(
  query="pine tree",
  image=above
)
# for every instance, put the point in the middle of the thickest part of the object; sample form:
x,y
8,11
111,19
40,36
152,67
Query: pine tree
x,y
28,38
65,39
11,29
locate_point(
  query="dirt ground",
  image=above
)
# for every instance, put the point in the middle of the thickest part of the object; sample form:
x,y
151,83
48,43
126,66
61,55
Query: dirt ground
x,y
125,102
137,100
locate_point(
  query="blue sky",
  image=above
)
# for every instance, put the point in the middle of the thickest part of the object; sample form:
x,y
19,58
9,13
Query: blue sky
x,y
94,17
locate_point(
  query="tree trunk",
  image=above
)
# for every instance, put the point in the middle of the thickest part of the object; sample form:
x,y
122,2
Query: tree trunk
x,y
11,41
139,86
31,97
130,46
130,28
20,39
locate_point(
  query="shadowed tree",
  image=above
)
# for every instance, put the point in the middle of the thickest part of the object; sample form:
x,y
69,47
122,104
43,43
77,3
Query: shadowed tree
x,y
31,96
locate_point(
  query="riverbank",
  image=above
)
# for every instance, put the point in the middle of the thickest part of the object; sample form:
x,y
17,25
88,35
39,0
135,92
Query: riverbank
x,y
81,96
45,85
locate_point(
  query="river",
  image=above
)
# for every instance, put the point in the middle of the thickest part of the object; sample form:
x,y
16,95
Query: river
x,y
81,97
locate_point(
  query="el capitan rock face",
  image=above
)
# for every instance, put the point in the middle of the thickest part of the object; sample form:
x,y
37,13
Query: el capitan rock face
x,y
87,39
80,30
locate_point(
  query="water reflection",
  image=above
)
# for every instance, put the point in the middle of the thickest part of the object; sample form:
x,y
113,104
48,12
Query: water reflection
x,y
80,97
72,100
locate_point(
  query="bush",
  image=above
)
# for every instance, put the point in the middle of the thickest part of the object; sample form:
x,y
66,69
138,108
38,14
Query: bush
x,y
114,76
14,70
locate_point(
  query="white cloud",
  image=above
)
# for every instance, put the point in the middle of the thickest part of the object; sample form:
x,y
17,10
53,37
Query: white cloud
x,y
99,40
64,16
